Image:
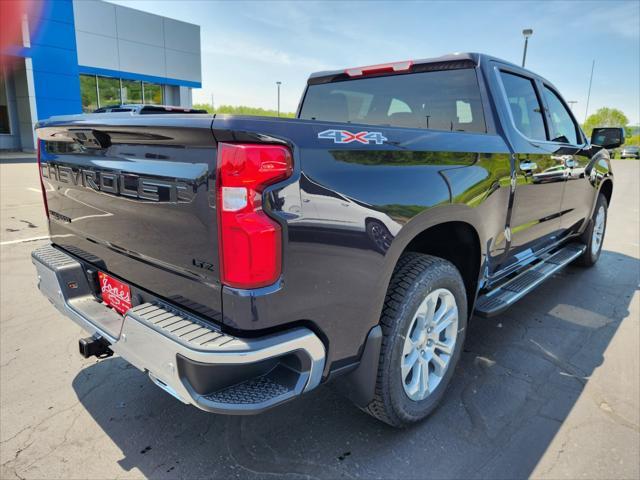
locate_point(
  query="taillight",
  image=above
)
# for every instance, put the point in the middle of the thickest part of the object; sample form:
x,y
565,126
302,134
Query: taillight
x,y
250,242
44,192
380,68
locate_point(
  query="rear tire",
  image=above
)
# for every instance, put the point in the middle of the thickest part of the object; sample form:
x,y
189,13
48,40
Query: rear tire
x,y
423,323
593,237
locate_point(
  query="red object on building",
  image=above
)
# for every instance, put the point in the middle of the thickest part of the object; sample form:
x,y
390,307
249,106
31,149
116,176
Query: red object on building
x,y
12,13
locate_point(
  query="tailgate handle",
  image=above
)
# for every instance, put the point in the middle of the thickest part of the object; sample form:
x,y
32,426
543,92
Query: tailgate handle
x,y
90,138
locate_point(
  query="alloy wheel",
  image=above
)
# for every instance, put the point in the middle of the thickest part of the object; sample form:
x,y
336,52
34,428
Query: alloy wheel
x,y
598,231
429,344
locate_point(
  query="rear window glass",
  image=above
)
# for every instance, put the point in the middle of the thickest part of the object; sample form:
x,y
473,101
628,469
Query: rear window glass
x,y
442,100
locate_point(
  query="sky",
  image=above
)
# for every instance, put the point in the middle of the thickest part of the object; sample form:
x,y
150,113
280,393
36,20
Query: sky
x,y
248,46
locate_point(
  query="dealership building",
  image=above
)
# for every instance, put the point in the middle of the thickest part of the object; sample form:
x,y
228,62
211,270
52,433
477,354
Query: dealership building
x,y
79,55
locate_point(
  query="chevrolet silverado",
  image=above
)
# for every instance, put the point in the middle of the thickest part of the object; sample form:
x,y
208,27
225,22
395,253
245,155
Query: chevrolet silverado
x,y
242,261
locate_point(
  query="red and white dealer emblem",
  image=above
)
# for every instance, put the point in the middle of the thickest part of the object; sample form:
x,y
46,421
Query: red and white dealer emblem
x,y
115,293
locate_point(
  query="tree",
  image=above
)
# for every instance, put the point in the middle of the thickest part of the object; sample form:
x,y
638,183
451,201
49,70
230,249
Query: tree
x,y
605,117
632,140
243,110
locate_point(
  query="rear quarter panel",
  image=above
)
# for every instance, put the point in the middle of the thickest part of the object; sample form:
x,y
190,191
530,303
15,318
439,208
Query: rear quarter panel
x,y
335,276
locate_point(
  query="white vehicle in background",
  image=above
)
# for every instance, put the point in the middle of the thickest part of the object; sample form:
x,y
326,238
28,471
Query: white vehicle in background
x,y
631,151
329,207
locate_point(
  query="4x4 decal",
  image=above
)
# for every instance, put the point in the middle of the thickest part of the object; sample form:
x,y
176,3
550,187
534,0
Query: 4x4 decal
x,y
343,136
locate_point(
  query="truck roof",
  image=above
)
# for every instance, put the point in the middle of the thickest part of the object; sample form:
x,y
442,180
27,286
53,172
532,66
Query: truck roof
x,y
141,109
469,58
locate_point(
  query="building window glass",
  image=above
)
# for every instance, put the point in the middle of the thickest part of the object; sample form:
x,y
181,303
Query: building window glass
x,y
131,91
100,92
5,126
152,93
108,91
89,93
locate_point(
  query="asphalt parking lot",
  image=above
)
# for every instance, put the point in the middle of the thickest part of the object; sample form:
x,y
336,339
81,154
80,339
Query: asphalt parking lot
x,y
551,389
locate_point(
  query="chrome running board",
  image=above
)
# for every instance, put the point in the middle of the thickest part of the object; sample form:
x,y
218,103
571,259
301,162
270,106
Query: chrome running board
x,y
506,294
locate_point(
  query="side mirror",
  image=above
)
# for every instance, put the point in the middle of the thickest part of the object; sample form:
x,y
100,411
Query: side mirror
x,y
528,166
607,137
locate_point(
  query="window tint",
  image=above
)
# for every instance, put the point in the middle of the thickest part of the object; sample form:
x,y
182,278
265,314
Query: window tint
x,y
398,106
562,127
463,112
441,100
88,93
525,106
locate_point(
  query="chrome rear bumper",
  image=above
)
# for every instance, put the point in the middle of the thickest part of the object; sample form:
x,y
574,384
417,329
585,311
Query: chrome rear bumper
x,y
187,357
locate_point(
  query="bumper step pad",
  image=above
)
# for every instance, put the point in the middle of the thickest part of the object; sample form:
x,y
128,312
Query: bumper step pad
x,y
241,387
506,294
190,358
254,391
189,331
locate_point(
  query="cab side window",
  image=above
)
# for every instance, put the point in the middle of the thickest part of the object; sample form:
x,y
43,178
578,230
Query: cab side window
x,y
563,129
525,106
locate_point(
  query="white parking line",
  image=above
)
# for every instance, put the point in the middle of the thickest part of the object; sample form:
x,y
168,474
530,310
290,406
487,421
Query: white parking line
x,y
39,190
33,239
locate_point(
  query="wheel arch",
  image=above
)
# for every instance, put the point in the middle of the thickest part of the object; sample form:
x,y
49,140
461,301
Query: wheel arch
x,y
453,232
370,219
606,189
422,234
457,242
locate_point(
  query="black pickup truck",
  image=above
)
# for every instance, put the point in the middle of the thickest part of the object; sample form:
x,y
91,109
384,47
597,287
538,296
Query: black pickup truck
x,y
243,261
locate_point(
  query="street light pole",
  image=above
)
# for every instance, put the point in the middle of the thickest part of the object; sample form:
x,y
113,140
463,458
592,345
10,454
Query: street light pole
x,y
571,103
278,84
527,32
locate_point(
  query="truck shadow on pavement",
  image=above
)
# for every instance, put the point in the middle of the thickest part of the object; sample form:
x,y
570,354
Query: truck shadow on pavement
x,y
517,381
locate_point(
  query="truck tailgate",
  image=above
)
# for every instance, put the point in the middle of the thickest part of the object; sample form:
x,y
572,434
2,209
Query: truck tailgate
x,y
137,201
